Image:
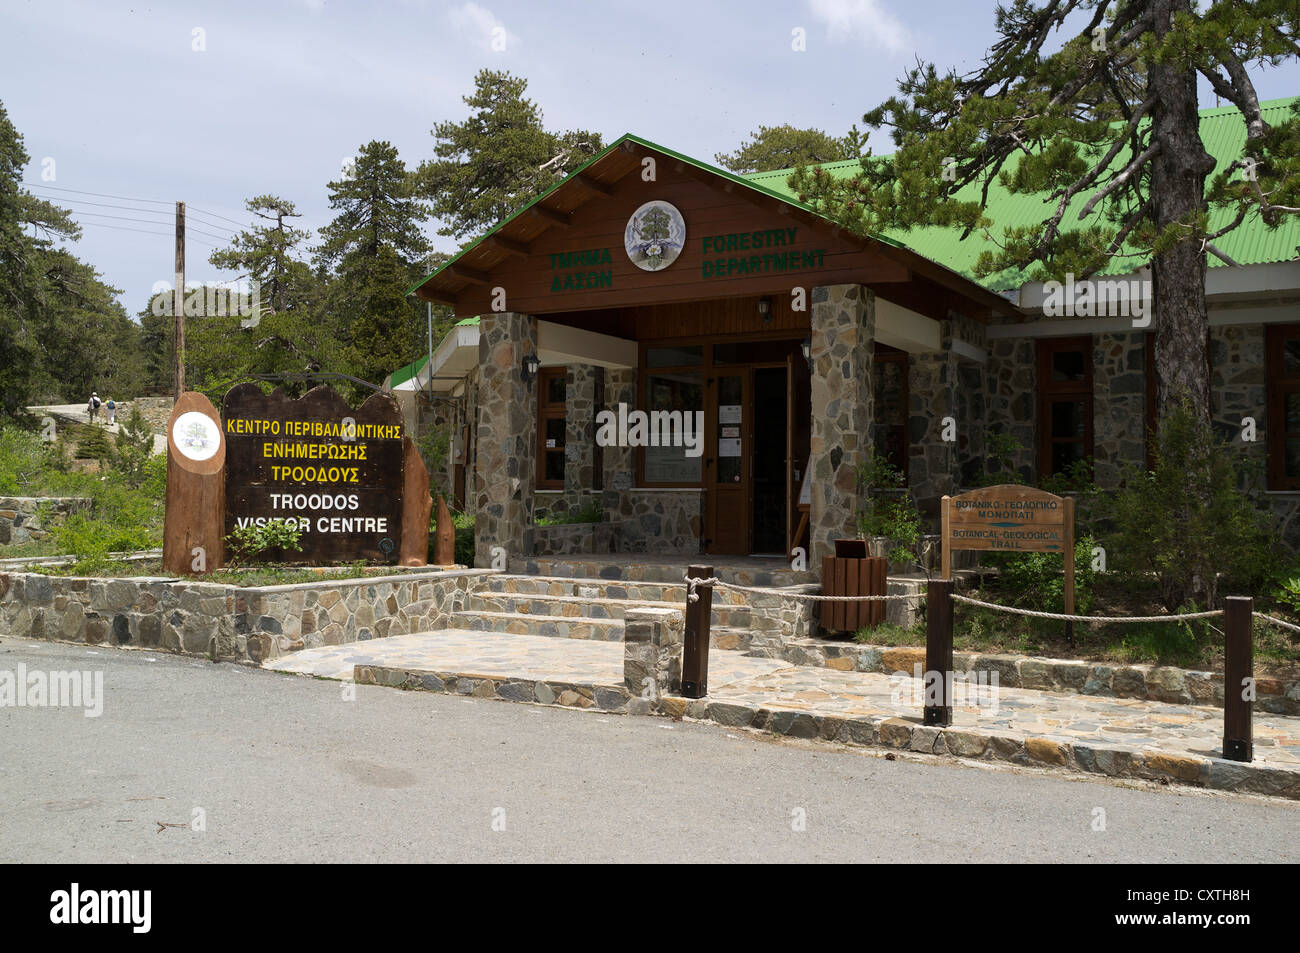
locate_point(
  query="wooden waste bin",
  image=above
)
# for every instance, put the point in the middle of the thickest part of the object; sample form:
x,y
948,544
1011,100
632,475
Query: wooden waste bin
x,y
851,572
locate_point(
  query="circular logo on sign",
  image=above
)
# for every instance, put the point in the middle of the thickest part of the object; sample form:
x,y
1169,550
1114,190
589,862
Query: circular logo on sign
x,y
655,236
386,545
196,435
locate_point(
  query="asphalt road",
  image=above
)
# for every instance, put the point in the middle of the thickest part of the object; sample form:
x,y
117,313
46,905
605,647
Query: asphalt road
x,y
285,770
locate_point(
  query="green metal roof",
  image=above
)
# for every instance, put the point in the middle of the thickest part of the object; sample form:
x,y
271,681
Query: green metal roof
x,y
404,374
1224,133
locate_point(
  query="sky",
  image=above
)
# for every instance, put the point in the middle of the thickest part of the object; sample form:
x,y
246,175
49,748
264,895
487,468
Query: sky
x,y
213,103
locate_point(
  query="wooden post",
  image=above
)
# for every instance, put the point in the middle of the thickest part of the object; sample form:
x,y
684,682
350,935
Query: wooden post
x,y
695,651
1238,679
945,539
178,302
938,653
194,516
1069,567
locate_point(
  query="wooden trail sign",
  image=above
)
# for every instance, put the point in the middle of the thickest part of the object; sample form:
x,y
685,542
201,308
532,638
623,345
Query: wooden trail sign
x,y
1010,519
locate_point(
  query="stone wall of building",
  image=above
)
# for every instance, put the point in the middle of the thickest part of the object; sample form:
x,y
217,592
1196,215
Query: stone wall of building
x,y
659,521
28,519
215,620
564,539
843,395
506,443
945,385
1239,390
1118,405
1009,397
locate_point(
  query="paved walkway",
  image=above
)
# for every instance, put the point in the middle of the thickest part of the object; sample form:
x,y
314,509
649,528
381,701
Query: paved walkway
x,y
76,413
497,654
1117,737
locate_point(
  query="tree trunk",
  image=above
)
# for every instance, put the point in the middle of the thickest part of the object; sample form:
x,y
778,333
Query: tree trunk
x,y
1178,173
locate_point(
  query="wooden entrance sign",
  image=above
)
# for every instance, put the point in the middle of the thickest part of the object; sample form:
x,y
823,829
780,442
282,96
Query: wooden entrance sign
x,y
193,534
350,479
1010,519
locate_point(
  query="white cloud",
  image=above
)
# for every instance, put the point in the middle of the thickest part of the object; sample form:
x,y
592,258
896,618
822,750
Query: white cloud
x,y
865,21
482,25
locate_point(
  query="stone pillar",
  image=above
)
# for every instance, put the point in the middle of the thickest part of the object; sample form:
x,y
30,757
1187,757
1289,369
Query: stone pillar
x,y
579,431
619,462
843,344
506,439
652,649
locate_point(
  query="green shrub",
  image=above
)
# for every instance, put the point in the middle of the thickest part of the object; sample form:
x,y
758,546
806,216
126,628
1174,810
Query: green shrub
x,y
888,509
248,543
591,512
94,443
434,445
464,538
1037,580
134,447
1187,521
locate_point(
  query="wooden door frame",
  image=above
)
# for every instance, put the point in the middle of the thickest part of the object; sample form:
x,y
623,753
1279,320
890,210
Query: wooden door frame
x,y
745,373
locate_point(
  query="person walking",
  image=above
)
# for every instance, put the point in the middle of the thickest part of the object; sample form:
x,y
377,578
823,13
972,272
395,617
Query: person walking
x,y
92,408
111,407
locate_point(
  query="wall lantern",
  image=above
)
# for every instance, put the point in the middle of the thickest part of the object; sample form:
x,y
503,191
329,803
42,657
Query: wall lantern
x,y
529,368
765,308
806,347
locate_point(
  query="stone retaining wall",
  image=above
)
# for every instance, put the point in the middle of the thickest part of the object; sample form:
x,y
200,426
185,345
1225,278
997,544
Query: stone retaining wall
x,y
221,621
1165,683
26,519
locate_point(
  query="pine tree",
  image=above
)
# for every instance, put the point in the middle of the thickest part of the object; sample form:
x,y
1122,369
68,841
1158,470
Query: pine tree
x,y
497,160
1111,116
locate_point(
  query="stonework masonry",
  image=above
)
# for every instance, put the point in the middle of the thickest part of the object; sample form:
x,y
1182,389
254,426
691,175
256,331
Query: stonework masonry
x,y
506,445
27,519
227,622
843,395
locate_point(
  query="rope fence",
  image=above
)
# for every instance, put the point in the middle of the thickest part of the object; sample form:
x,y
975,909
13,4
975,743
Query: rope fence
x,y
1238,614
693,582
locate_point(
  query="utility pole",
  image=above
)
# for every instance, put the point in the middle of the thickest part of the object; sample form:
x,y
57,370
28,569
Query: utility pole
x,y
178,300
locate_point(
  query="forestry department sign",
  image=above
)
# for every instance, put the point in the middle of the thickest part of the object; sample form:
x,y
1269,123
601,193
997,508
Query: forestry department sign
x,y
335,472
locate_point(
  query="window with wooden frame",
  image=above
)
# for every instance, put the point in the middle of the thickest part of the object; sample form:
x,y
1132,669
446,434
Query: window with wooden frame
x,y
1282,366
891,406
1064,403
672,380
552,388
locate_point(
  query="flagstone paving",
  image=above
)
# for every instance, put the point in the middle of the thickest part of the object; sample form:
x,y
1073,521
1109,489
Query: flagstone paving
x,y
1111,736
1122,723
535,657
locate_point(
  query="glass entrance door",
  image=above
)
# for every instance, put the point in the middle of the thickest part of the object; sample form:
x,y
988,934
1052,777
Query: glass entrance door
x,y
727,472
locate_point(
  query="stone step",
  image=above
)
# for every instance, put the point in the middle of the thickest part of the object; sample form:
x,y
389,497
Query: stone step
x,y
522,623
642,592
576,607
626,568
